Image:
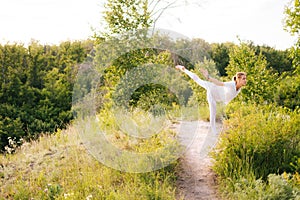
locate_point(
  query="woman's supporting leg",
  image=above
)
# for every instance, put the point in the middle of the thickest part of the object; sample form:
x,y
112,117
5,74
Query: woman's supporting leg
x,y
212,112
212,103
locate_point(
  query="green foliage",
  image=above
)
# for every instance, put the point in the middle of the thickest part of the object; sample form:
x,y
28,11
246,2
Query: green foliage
x,y
292,18
59,167
259,141
112,74
143,78
277,187
36,88
52,191
277,60
292,25
126,16
295,55
220,55
149,85
288,92
260,80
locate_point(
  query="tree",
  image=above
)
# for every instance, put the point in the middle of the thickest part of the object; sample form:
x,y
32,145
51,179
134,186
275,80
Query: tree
x,y
292,25
220,55
260,80
292,18
278,60
126,16
36,85
288,90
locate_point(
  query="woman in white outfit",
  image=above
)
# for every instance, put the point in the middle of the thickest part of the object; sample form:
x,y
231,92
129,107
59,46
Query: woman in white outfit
x,y
217,91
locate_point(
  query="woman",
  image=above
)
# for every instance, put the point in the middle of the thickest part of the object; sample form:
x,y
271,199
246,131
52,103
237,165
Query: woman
x,y
217,91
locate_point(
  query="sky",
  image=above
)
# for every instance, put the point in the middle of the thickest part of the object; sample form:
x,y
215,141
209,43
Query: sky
x,y
54,21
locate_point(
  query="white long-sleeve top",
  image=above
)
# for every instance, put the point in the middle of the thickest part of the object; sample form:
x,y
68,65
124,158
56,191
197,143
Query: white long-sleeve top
x,y
219,93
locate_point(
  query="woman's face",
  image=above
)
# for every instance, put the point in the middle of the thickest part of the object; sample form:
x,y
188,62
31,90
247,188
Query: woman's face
x,y
242,80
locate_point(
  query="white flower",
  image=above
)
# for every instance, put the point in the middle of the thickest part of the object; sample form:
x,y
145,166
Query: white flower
x,y
89,197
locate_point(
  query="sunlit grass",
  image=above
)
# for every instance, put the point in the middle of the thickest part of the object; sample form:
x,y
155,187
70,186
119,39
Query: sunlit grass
x,y
59,167
260,145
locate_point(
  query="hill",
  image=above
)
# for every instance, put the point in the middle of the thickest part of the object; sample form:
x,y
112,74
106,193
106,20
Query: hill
x,y
58,167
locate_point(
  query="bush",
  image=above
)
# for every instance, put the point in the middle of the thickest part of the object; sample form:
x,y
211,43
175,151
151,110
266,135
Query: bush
x,y
288,92
278,187
260,79
260,140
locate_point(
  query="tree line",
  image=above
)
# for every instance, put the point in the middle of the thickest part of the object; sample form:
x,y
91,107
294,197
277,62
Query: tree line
x,y
37,81
36,84
36,88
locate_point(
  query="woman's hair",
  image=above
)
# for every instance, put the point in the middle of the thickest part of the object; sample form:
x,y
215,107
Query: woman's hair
x,y
238,75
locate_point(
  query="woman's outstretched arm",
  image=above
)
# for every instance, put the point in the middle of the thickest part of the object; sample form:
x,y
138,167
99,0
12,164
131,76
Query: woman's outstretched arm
x,y
209,78
190,74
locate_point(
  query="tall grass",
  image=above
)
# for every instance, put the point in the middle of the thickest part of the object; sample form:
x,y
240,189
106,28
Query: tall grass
x,y
59,167
259,140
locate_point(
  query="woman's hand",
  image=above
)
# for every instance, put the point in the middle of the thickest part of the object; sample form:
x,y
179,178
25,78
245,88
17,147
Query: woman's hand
x,y
180,67
205,73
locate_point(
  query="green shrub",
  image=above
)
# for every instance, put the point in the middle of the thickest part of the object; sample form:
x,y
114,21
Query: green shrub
x,y
288,92
259,140
278,187
260,79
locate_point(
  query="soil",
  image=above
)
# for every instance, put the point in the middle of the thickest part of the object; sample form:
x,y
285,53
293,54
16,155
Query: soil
x,y
196,180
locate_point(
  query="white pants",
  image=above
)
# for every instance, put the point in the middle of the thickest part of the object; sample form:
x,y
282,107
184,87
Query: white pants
x,y
211,103
210,93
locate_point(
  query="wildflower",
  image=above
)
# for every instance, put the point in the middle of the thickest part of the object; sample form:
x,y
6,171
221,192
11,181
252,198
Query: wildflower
x,y
89,197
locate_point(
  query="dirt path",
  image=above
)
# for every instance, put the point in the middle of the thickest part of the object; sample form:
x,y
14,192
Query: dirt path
x,y
196,179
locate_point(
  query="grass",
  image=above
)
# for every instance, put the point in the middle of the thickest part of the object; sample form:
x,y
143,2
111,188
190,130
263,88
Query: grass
x,y
258,155
58,167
